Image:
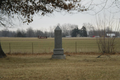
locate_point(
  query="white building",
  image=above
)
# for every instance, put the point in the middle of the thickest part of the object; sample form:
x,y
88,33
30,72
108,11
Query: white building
x,y
111,35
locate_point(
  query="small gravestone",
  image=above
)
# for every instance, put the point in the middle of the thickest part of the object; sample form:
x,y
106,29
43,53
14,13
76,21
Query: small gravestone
x,y
58,52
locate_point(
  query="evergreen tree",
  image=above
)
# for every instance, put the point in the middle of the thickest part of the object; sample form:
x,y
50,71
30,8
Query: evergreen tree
x,y
75,31
84,32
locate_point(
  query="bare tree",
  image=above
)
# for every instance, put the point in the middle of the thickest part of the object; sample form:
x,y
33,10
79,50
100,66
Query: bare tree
x,y
30,32
27,8
67,29
90,29
107,34
51,31
38,33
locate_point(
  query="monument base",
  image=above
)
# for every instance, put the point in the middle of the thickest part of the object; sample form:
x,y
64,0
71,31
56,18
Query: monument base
x,y
58,54
55,56
58,51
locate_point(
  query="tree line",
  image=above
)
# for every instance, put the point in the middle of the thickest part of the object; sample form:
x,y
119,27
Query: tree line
x,y
21,33
79,32
68,30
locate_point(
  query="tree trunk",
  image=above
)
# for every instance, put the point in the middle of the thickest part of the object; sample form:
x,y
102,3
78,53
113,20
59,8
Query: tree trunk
x,y
2,54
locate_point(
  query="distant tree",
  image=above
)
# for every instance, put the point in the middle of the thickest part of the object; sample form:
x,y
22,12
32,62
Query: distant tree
x,y
12,33
30,32
90,29
75,32
46,34
84,31
5,33
81,33
38,33
0,34
67,29
51,31
19,34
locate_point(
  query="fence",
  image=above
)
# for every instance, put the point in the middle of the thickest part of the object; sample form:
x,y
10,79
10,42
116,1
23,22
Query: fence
x,y
34,47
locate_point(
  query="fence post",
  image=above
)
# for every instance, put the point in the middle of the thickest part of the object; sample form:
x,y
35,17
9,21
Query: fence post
x,y
49,50
9,48
76,47
32,48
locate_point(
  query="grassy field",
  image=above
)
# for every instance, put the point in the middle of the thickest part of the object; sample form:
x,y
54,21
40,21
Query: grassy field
x,y
71,45
42,67
74,67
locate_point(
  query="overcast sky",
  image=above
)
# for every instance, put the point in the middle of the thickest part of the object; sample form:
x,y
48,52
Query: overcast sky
x,y
50,20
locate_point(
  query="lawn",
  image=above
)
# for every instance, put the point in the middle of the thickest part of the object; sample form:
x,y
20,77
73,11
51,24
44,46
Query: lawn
x,y
74,67
35,45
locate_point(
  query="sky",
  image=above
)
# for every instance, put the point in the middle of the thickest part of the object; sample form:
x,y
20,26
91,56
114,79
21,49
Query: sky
x,y
54,19
79,18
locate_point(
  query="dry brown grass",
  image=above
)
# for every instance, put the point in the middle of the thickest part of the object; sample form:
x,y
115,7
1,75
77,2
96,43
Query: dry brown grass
x,y
74,67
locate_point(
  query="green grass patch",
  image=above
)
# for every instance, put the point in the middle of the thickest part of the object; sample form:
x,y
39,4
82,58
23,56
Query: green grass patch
x,y
71,45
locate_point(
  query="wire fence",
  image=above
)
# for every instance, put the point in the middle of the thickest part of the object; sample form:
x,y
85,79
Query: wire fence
x,y
35,47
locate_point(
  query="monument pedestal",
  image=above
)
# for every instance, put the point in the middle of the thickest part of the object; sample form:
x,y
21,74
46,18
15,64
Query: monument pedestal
x,y
58,54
